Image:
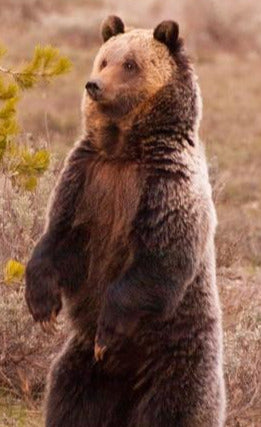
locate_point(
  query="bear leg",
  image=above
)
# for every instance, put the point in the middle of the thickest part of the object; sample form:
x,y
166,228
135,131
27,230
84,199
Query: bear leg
x,y
79,394
161,409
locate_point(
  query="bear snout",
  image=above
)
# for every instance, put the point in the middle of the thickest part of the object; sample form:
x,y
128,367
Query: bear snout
x,y
94,89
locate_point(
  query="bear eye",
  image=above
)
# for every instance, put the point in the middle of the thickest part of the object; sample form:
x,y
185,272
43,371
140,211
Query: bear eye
x,y
130,65
103,64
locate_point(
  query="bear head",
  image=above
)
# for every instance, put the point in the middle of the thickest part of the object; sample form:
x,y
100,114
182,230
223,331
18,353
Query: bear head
x,y
135,69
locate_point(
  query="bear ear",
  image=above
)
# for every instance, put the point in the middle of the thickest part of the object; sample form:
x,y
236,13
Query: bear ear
x,y
112,26
167,32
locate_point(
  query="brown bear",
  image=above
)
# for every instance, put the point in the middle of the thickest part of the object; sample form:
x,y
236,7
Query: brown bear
x,y
129,248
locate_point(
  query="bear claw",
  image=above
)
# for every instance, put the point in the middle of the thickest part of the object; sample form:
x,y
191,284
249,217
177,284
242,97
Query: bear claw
x,y
49,327
99,351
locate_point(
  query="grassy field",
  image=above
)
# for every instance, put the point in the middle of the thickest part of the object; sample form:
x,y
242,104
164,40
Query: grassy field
x,y
224,42
15,413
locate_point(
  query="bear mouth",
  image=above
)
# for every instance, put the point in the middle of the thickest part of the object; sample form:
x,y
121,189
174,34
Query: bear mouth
x,y
96,96
121,106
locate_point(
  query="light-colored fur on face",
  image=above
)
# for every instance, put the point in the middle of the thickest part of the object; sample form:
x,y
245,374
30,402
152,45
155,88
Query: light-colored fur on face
x,y
156,67
153,57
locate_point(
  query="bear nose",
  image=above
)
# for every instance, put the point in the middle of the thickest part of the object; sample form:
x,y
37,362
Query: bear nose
x,y
94,88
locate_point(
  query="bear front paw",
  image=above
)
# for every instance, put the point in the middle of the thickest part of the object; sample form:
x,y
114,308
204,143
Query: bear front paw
x,y
42,293
113,330
105,338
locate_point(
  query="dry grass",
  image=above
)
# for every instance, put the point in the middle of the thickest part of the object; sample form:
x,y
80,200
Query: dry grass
x,y
224,40
240,294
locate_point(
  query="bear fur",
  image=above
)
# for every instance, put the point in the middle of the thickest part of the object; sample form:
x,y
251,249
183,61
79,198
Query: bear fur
x,y
128,248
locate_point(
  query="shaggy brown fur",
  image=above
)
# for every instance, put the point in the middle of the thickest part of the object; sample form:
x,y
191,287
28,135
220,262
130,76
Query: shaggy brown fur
x,y
129,245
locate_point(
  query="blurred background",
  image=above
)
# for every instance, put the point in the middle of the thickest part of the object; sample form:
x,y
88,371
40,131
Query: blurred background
x,y
223,38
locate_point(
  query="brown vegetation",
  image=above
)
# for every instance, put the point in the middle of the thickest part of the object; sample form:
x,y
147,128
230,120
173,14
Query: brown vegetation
x,y
224,40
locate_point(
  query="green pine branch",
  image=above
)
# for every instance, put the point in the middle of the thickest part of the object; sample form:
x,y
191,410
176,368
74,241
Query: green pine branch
x,y
17,162
21,165
45,64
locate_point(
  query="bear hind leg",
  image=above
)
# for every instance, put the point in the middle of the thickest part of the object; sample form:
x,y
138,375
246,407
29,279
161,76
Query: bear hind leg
x,y
78,394
161,410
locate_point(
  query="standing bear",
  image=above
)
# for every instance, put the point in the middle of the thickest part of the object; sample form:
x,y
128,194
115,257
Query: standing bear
x,y
128,248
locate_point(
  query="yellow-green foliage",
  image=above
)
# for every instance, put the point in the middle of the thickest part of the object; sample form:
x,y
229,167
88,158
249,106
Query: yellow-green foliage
x,y
14,271
21,164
